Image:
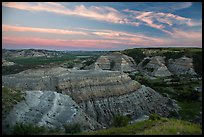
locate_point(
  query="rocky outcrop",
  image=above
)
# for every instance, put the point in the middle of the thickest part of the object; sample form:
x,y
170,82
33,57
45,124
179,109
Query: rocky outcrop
x,y
99,94
143,101
80,84
103,62
183,65
6,53
115,61
49,109
23,53
84,85
154,66
7,63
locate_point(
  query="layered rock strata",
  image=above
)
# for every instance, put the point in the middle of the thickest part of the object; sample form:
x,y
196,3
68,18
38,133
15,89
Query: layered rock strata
x,y
115,61
154,66
183,65
100,94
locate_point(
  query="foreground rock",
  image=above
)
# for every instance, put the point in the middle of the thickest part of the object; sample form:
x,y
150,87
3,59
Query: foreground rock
x,y
99,94
49,109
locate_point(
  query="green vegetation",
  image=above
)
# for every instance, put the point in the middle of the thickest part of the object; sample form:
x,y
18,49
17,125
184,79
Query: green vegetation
x,y
40,60
138,54
89,61
32,129
120,120
189,109
150,69
27,129
154,117
6,70
178,88
144,63
24,63
69,64
72,128
9,99
157,126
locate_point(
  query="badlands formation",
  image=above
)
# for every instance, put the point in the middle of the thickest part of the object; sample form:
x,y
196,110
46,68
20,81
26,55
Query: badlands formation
x,y
183,65
155,66
57,96
115,61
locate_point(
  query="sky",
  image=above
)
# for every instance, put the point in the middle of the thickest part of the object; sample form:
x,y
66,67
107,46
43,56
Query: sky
x,y
101,25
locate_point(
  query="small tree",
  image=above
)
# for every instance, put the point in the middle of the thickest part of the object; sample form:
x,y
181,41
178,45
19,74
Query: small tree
x,y
154,117
72,128
120,120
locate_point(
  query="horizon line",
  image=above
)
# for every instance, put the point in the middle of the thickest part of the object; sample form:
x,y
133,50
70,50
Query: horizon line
x,y
99,50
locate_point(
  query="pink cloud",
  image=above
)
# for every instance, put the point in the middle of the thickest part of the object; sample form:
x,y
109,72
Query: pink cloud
x,y
6,28
59,42
104,38
177,37
108,14
70,43
130,38
163,19
102,13
36,6
187,35
115,37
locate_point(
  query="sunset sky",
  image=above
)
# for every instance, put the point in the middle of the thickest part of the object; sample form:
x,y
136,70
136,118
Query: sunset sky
x,y
101,25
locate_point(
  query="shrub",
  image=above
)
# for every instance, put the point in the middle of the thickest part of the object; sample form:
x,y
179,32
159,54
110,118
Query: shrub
x,y
55,131
120,121
9,98
112,64
72,128
174,114
154,117
143,81
27,129
70,65
144,63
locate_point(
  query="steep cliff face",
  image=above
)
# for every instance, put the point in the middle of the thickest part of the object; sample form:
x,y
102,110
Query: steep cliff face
x,y
50,109
84,85
144,101
115,61
99,94
183,65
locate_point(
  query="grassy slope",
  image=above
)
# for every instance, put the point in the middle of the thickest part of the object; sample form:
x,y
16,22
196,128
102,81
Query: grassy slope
x,y
23,63
182,93
9,99
40,60
189,109
158,127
